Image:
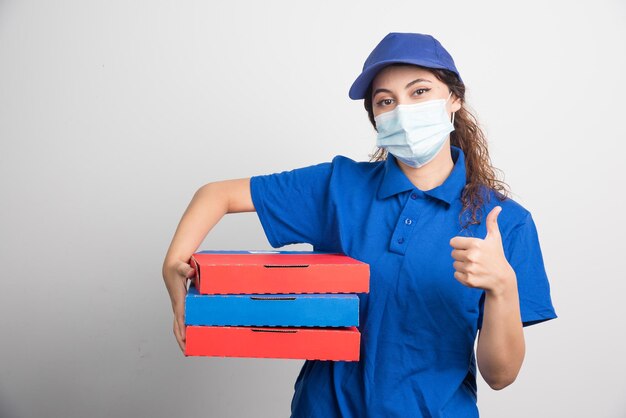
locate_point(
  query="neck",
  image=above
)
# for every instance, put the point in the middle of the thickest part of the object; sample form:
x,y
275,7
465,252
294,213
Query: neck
x,y
434,173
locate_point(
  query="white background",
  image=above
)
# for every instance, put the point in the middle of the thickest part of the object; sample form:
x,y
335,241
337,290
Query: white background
x,y
113,113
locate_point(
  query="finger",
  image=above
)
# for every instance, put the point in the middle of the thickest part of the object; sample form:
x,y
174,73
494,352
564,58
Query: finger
x,y
179,315
461,266
460,255
185,270
461,277
182,327
178,305
465,279
179,333
463,243
492,223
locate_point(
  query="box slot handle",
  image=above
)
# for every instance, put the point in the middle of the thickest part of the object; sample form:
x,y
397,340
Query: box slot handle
x,y
285,266
275,330
272,298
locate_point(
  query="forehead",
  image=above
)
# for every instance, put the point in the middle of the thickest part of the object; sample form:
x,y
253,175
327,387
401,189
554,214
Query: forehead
x,y
399,74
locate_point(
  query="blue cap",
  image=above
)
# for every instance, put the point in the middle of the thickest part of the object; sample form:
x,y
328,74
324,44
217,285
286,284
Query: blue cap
x,y
408,48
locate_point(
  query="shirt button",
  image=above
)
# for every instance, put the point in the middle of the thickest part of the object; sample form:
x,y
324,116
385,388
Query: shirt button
x,y
408,221
413,196
400,240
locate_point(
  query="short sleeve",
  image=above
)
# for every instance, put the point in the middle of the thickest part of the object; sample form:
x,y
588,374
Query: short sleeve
x,y
294,206
523,252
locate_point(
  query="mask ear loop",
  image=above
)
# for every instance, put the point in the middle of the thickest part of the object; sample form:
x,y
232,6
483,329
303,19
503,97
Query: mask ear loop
x,y
450,95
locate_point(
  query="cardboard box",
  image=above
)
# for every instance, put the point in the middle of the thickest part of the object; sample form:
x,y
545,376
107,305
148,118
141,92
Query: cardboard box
x,y
304,310
246,272
339,344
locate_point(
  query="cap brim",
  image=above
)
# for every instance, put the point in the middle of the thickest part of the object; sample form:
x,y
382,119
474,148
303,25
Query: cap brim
x,y
362,82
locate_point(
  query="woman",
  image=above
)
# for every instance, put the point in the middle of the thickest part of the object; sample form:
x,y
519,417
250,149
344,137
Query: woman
x,y
445,265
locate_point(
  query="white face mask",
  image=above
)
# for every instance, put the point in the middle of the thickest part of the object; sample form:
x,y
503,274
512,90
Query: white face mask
x,y
415,133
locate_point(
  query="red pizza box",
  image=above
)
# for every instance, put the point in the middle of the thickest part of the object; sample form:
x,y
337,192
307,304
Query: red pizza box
x,y
342,344
245,272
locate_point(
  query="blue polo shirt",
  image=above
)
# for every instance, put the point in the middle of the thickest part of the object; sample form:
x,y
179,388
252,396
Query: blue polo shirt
x,y
418,323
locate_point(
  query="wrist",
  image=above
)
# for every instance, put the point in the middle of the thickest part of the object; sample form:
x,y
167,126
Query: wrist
x,y
506,285
169,268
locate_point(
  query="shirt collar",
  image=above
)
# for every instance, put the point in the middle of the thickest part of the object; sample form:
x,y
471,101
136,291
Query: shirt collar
x,y
395,181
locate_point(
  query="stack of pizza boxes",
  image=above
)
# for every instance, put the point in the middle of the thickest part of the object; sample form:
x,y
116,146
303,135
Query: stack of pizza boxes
x,y
279,304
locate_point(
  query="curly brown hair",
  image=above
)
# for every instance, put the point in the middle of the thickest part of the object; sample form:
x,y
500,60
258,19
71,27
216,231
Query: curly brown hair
x,y
468,136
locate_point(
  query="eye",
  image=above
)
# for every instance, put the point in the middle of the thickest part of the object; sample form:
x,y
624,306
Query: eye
x,y
384,102
420,91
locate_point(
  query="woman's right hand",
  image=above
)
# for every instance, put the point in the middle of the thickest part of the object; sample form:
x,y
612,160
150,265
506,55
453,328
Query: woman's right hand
x,y
209,204
176,275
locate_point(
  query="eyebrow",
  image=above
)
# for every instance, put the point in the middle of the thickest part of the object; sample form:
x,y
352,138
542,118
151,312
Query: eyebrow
x,y
417,80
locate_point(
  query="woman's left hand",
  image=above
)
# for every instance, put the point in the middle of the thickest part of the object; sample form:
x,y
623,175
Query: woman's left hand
x,y
481,262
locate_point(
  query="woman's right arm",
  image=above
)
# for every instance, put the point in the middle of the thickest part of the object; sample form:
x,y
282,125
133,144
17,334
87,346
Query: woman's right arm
x,y
208,205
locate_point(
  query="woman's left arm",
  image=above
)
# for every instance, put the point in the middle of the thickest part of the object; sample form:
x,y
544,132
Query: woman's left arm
x,y
481,263
501,346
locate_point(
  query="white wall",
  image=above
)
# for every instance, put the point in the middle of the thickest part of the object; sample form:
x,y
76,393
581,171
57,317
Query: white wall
x,y
112,114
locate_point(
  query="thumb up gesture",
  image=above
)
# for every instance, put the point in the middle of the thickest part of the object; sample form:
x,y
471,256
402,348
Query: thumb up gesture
x,y
481,263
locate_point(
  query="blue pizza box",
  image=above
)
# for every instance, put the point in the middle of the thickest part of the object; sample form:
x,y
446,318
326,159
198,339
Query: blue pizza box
x,y
289,310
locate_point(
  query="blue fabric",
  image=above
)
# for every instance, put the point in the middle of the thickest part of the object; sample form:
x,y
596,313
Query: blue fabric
x,y
418,323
